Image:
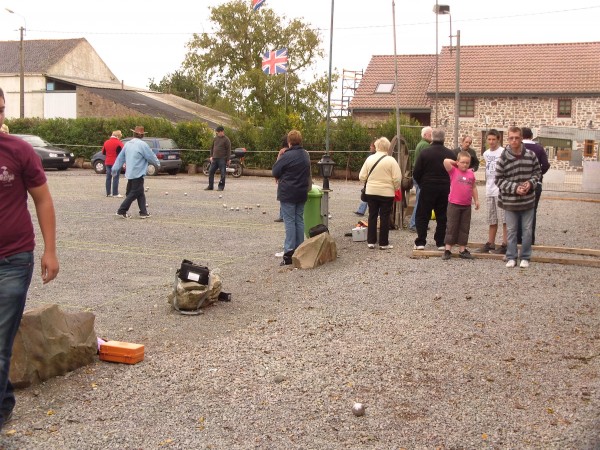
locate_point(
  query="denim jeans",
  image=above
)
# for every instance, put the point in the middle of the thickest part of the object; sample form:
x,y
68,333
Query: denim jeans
x,y
111,181
134,191
362,208
221,164
293,220
538,194
15,276
513,220
413,216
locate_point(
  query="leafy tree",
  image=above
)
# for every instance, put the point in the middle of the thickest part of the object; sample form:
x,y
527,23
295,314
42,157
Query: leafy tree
x,y
230,60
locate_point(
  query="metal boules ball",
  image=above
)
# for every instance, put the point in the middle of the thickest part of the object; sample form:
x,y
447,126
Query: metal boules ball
x,y
358,409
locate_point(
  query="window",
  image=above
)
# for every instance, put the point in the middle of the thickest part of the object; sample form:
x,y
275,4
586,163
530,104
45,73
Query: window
x,y
466,107
384,88
564,107
588,148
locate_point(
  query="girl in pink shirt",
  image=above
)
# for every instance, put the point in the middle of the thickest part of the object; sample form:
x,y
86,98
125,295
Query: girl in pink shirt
x,y
462,190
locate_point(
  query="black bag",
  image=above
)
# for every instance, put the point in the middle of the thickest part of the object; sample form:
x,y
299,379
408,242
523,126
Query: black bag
x,y
193,272
317,229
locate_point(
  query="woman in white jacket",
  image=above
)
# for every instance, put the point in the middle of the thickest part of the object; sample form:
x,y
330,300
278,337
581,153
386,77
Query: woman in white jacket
x,y
382,174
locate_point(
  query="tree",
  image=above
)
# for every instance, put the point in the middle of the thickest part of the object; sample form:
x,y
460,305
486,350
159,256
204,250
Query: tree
x,y
230,60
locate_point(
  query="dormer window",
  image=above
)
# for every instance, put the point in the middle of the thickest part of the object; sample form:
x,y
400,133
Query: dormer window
x,y
384,88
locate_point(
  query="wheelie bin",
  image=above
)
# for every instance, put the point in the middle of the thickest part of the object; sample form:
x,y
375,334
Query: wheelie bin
x,y
312,209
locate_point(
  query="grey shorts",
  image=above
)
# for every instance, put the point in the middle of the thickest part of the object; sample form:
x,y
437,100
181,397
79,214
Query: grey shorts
x,y
495,214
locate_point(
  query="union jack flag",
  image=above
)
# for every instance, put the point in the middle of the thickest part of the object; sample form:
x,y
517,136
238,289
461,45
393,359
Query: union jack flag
x,y
257,4
275,61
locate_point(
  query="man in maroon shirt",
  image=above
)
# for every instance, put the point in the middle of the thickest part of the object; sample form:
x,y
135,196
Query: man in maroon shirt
x,y
20,173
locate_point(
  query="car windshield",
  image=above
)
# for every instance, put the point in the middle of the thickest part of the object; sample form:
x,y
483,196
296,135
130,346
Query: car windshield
x,y
35,141
167,144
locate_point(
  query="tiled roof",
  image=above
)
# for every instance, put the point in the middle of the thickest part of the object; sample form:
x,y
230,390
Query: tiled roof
x,y
414,73
40,55
521,69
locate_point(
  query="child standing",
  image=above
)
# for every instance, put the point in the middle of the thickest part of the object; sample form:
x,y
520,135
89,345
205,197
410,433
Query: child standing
x,y
462,190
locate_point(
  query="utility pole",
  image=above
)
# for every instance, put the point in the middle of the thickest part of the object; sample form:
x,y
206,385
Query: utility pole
x,y
22,74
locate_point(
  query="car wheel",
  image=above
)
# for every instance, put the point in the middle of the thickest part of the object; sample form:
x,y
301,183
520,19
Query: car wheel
x,y
62,168
237,170
173,172
152,170
99,166
205,168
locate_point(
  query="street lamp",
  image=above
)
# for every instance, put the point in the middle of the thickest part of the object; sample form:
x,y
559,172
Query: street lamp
x,y
326,164
438,9
22,65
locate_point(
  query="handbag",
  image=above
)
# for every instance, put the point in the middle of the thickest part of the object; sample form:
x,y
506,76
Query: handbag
x,y
363,192
398,195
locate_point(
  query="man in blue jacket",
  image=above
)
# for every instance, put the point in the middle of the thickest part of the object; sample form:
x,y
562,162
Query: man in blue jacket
x,y
292,171
136,155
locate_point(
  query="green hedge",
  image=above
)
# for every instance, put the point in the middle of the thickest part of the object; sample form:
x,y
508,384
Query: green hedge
x,y
349,140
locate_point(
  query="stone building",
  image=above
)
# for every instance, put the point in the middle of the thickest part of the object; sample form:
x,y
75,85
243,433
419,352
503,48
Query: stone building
x,y
536,85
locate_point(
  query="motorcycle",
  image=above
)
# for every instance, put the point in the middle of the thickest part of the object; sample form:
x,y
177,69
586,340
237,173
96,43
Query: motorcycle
x,y
235,163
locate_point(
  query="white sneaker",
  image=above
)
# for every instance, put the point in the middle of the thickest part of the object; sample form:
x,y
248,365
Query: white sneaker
x,y
371,245
279,254
442,247
511,263
386,247
118,196
419,247
524,264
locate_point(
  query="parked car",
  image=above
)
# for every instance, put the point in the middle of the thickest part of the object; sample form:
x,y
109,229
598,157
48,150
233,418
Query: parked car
x,y
52,157
166,151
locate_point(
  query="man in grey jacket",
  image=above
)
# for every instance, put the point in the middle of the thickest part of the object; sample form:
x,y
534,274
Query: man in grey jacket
x,y
219,157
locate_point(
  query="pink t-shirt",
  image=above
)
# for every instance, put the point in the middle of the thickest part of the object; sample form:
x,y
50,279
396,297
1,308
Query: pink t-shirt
x,y
20,169
461,187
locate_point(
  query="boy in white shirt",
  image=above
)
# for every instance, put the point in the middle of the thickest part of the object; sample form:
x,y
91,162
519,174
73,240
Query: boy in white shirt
x,y
495,214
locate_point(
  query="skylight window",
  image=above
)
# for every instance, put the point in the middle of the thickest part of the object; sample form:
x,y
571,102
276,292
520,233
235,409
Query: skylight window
x,y
384,88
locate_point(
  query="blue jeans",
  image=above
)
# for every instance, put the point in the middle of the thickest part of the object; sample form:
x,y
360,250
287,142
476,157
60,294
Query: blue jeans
x,y
413,216
538,194
134,191
362,208
111,181
221,164
514,219
293,220
15,277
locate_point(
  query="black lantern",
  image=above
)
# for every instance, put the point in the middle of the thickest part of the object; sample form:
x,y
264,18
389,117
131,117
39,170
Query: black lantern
x,y
326,165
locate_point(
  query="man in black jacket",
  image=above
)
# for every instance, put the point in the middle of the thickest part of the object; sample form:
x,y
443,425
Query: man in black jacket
x,y
433,179
292,171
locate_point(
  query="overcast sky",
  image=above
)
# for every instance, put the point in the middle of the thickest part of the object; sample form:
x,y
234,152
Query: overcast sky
x,y
139,40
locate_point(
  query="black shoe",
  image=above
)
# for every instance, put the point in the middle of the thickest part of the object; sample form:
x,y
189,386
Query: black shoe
x,y
220,189
145,216
358,214
465,254
278,220
500,250
208,189
447,255
487,248
287,258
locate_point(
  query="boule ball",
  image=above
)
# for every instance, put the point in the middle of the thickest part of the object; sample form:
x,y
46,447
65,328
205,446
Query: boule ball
x,y
358,409
147,189
166,193
264,212
258,205
220,196
232,208
185,194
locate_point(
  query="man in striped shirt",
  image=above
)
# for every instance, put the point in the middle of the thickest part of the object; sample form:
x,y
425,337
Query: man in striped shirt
x,y
517,174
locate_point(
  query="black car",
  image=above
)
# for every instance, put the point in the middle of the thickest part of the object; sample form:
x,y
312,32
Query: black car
x,y
52,157
166,151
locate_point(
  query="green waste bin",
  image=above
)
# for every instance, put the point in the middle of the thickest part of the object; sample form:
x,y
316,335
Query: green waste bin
x,y
312,209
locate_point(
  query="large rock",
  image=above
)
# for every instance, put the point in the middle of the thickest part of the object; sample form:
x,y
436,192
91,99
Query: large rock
x,y
51,342
314,252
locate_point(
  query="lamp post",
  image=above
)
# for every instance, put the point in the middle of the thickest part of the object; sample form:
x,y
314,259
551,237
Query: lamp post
x,y
438,9
21,64
326,164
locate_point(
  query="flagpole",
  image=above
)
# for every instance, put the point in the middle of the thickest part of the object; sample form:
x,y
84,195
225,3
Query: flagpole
x,y
285,95
399,211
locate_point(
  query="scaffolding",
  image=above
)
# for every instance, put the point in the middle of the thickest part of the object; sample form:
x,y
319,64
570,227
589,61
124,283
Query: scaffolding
x,y
350,81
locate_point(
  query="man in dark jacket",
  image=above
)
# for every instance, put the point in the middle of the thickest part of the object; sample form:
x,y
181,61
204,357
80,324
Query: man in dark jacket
x,y
540,153
292,171
465,145
219,157
433,179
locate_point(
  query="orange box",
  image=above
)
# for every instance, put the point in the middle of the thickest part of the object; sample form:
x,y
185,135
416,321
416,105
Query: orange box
x,y
122,352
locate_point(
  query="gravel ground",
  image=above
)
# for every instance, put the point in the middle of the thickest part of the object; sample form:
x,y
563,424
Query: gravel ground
x,y
456,354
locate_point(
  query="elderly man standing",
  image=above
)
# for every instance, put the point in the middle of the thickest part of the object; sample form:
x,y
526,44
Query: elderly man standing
x,y
136,155
219,155
432,177
517,175
423,143
465,145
